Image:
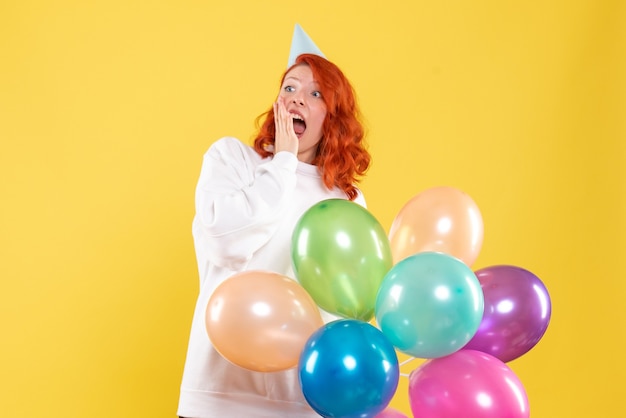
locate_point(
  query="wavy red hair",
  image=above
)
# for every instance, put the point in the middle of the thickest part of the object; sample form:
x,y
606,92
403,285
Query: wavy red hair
x,y
342,158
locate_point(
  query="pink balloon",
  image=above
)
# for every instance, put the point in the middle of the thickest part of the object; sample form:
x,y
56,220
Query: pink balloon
x,y
390,412
517,312
467,383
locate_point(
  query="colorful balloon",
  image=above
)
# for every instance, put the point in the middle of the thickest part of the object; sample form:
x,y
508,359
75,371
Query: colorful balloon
x,y
340,255
348,369
261,321
517,312
429,305
467,383
440,219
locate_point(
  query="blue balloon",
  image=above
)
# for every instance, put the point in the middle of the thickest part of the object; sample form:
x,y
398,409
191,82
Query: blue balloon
x,y
429,305
348,369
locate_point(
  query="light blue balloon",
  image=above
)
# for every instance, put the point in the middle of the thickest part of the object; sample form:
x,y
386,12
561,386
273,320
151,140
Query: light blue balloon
x,y
429,305
348,369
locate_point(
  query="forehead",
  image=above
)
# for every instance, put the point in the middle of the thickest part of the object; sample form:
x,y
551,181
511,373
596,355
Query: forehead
x,y
301,73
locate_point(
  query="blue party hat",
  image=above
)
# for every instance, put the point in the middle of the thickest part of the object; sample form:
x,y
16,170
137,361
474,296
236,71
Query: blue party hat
x,y
301,43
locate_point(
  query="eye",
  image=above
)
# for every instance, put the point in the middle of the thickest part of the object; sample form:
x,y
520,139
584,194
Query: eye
x,y
289,89
317,94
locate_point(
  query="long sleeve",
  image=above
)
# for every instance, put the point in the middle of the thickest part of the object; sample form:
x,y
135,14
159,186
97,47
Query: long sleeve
x,y
239,201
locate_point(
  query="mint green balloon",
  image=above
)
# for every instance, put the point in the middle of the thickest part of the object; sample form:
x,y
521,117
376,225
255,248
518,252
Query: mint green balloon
x,y
340,255
429,305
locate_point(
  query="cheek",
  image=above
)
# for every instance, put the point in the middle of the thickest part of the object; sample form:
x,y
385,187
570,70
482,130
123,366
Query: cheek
x,y
320,115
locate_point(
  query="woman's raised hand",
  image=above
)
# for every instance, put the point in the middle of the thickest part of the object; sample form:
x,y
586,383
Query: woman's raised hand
x,y
285,139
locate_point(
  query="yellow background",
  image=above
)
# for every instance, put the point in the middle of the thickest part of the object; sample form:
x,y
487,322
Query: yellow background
x,y
106,108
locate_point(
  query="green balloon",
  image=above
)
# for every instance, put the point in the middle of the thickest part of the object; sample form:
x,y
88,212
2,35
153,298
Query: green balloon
x,y
340,255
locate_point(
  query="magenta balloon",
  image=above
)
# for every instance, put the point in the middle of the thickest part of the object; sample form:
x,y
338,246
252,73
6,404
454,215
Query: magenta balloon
x,y
517,312
466,383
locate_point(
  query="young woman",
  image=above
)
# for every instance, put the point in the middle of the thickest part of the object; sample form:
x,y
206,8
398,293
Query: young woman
x,y
248,200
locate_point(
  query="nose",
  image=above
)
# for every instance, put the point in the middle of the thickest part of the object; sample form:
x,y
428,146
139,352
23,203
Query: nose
x,y
297,99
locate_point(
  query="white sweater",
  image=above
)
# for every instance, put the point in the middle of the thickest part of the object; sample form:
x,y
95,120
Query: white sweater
x,y
246,210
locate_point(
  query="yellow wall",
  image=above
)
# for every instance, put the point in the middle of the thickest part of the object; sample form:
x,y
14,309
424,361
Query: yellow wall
x,y
106,108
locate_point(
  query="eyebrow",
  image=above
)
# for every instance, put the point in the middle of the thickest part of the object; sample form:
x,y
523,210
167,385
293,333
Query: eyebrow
x,y
291,77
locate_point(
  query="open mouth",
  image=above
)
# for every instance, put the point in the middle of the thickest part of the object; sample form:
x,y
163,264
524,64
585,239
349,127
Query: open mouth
x,y
299,125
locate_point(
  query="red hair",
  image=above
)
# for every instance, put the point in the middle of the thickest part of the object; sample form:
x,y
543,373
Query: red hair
x,y
341,154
